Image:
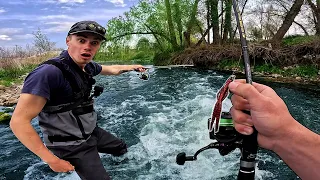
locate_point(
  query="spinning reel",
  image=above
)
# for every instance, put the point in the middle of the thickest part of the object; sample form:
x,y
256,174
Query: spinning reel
x,y
227,140
144,75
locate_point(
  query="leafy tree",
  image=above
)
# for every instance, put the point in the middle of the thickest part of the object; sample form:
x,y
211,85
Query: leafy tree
x,y
164,20
143,44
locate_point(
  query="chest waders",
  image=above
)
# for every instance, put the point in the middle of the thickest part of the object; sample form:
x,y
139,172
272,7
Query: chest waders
x,y
72,121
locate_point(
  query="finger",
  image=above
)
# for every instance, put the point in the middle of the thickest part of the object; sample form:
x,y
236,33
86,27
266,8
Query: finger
x,y
265,90
240,81
240,103
243,129
140,69
247,91
259,87
239,117
70,166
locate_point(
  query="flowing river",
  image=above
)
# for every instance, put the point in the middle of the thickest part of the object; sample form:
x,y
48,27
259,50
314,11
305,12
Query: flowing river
x,y
158,119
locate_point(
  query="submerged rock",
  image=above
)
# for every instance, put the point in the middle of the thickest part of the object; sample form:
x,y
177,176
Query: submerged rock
x,y
4,117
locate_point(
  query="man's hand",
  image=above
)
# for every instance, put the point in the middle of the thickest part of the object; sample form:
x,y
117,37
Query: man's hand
x,y
139,68
118,69
59,165
269,114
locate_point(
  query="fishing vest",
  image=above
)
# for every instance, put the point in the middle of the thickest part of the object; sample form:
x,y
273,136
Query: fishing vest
x,y
70,123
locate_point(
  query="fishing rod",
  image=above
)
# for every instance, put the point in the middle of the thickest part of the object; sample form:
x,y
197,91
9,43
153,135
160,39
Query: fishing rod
x,y
220,124
249,144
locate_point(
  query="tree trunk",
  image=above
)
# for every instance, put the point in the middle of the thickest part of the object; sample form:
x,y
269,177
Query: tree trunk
x,y
221,14
191,22
227,21
215,21
173,39
177,20
203,36
288,20
316,12
208,19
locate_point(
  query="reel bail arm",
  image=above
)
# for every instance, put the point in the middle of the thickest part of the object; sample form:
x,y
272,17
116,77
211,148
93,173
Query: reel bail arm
x,y
224,149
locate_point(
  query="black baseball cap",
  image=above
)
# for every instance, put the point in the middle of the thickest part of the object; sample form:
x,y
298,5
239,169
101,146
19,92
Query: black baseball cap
x,y
88,26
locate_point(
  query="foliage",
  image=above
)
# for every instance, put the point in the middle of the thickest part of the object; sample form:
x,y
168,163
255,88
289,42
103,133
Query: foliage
x,y
298,39
144,44
254,33
151,20
12,75
143,56
162,58
12,69
229,63
303,70
267,68
124,55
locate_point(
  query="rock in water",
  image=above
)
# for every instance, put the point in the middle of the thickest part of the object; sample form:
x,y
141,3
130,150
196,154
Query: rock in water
x,y
4,117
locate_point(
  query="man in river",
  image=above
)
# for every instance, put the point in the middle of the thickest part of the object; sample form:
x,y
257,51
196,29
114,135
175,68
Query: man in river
x,y
277,129
59,92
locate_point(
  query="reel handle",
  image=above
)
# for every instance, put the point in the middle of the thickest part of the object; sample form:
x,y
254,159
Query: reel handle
x,y
182,158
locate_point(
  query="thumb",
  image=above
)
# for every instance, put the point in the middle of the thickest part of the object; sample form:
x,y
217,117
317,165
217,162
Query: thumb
x,y
247,91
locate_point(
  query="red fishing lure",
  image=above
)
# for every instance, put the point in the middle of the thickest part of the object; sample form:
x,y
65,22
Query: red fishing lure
x,y
216,113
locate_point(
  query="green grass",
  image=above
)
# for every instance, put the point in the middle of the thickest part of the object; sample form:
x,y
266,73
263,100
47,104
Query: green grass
x,y
298,39
12,69
298,70
229,64
11,75
268,68
303,70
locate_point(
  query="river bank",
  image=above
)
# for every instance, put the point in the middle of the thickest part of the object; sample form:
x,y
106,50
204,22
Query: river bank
x,y
9,95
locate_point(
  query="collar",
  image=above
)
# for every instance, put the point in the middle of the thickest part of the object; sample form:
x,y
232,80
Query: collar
x,y
66,57
69,61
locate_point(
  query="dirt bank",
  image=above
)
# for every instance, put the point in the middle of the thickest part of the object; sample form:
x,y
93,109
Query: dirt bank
x,y
9,95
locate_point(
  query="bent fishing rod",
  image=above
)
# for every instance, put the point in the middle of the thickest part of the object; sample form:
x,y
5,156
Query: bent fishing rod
x,y
220,124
